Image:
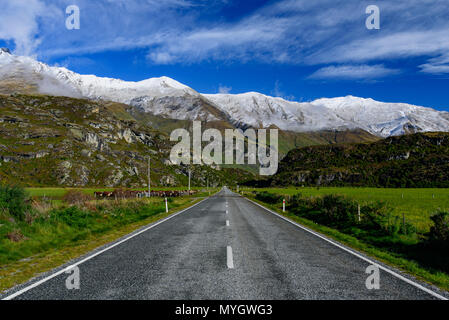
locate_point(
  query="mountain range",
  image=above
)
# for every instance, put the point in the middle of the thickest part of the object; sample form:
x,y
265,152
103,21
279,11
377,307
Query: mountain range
x,y
170,99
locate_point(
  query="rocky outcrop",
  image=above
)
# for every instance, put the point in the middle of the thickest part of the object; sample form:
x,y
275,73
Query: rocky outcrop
x,y
115,178
63,173
76,143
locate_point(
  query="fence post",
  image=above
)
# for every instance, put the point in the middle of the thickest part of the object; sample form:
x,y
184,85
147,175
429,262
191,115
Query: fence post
x,y
358,210
166,205
283,205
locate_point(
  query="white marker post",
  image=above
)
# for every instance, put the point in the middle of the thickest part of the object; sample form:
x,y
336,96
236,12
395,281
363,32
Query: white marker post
x,y
166,205
358,211
283,205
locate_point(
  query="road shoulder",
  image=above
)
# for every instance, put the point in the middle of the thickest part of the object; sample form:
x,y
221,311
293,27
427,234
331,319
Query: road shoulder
x,y
22,274
361,250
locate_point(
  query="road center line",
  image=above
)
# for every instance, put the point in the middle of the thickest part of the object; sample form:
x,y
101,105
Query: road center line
x,y
227,223
230,260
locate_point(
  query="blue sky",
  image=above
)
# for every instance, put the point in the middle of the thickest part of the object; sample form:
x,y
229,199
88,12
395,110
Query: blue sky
x,y
297,49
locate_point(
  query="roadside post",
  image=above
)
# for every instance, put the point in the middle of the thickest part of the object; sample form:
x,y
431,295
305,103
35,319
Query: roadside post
x,y
283,205
166,205
358,210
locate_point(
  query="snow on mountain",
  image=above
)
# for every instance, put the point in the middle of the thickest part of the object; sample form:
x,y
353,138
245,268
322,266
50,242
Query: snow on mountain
x,y
386,119
160,96
379,118
261,111
169,98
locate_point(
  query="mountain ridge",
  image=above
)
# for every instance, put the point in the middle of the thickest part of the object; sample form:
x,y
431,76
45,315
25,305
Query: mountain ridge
x,y
419,160
171,99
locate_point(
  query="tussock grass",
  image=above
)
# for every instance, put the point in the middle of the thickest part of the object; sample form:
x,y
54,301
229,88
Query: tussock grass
x,y
417,205
56,233
377,234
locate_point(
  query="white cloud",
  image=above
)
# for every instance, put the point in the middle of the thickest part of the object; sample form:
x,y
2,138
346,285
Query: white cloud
x,y
242,41
353,72
74,62
434,69
277,92
287,31
224,89
397,45
161,57
439,65
19,22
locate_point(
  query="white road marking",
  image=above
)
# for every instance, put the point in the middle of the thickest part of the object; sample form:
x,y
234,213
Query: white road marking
x,y
227,223
230,260
38,283
226,211
417,285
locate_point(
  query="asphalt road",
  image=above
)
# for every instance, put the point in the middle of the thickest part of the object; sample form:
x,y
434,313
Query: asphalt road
x,y
225,247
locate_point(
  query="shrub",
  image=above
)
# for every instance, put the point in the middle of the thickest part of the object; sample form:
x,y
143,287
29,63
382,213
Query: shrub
x,y
72,216
268,197
15,236
340,212
439,232
14,200
76,197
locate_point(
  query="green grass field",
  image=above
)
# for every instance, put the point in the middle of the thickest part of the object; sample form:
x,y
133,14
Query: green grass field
x,y
416,204
58,193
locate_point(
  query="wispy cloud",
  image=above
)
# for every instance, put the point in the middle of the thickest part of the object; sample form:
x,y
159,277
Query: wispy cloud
x,y
224,89
74,62
392,46
277,92
353,72
301,32
19,22
439,65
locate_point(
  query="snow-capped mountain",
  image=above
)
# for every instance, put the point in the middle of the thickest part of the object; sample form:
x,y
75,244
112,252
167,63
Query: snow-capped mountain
x,y
258,110
160,96
169,98
386,119
379,118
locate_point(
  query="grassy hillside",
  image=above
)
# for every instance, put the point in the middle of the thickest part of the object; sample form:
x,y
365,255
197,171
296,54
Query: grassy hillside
x,y
415,160
289,140
59,141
